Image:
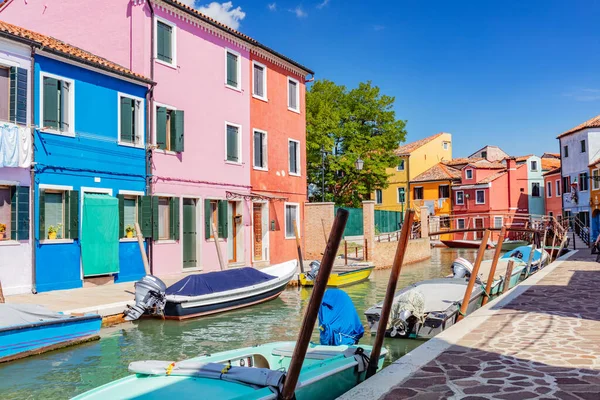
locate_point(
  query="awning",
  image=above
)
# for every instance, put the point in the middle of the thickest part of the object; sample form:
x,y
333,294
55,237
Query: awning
x,y
254,196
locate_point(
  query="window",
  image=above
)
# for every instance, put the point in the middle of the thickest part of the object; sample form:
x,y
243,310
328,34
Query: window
x,y
59,213
469,174
460,197
558,188
130,212
535,189
291,215
445,145
418,193
565,151
582,143
401,195
233,145
444,191
293,95
479,197
131,120
497,222
534,165
548,189
164,213
484,154
13,94
378,196
215,217
595,179
583,181
566,184
260,150
57,104
233,78
400,166
259,81
444,221
169,128
294,156
6,211
460,223
165,49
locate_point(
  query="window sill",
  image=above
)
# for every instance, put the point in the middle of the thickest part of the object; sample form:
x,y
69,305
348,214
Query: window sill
x,y
127,240
257,97
479,204
291,237
233,163
56,241
165,241
166,152
166,64
58,133
261,169
236,89
293,174
9,242
294,110
223,240
125,144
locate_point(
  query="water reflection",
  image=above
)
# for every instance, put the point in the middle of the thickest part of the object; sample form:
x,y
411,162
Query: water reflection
x,y
65,373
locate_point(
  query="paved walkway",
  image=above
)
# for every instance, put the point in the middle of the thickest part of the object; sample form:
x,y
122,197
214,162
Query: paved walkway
x,y
542,341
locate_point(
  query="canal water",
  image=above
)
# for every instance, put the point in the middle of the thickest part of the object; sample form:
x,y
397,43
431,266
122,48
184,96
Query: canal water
x,y
65,373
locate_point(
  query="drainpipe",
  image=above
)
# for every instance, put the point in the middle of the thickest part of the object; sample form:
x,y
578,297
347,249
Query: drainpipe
x,y
150,125
32,174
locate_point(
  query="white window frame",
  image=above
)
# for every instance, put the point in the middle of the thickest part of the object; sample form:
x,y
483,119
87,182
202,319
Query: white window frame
x,y
297,205
290,79
62,189
398,195
595,183
264,67
469,174
403,165
449,191
477,202
445,145
378,191
458,225
299,164
168,107
239,70
496,218
167,241
71,131
462,203
137,194
140,123
239,162
173,64
7,233
548,189
557,188
266,147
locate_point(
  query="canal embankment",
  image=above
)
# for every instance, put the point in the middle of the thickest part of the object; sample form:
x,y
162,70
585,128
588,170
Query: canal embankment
x,y
540,340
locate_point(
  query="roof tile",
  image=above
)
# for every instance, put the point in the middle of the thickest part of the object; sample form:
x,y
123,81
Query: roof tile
x,y
438,172
590,123
550,163
408,148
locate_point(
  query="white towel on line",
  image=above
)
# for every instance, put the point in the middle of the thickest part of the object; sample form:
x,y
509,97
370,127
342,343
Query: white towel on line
x,y
15,146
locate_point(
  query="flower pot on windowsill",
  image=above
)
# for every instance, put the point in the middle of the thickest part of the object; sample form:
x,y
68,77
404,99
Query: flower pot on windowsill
x,y
51,235
2,235
129,235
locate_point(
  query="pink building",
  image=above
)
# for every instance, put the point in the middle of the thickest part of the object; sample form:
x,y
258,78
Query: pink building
x,y
199,116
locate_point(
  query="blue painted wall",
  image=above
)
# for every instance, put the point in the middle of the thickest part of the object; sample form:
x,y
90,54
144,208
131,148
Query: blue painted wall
x,y
80,161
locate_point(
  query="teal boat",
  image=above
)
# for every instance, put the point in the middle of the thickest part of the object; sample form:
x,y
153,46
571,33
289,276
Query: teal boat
x,y
248,373
508,245
498,284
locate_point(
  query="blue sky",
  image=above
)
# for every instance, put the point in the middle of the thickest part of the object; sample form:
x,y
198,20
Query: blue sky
x,y
513,74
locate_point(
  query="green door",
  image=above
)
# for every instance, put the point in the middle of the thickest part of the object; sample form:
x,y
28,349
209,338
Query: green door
x,y
189,233
100,235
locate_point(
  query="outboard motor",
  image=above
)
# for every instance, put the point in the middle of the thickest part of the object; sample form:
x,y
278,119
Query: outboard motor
x,y
461,268
149,296
314,270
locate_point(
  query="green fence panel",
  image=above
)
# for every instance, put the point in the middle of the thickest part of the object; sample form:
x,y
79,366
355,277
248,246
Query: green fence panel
x,y
354,226
387,221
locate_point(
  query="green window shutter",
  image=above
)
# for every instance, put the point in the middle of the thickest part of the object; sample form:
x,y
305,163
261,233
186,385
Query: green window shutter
x,y
232,69
155,233
127,110
21,96
121,215
232,143
50,103
160,41
174,217
145,215
12,93
22,212
42,216
73,215
222,216
161,128
13,213
207,215
177,131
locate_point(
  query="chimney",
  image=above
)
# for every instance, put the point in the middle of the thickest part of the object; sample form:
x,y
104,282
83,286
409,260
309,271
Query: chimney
x,y
511,167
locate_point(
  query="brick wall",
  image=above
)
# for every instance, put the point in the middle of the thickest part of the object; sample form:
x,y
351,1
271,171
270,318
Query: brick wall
x,y
318,219
383,254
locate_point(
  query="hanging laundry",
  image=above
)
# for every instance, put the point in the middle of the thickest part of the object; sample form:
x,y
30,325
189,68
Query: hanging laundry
x,y
15,146
25,147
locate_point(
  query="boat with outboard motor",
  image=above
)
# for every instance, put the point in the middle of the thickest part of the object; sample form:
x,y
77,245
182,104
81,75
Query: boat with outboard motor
x,y
522,253
485,267
465,244
513,244
210,293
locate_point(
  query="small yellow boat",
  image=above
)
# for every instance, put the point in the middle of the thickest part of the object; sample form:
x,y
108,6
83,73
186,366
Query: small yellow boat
x,y
341,278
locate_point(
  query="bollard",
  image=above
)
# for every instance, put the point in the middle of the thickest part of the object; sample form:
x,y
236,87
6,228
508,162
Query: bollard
x,y
467,297
490,280
508,276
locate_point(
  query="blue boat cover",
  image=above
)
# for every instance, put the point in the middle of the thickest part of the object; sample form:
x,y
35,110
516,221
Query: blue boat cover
x,y
220,281
339,322
522,252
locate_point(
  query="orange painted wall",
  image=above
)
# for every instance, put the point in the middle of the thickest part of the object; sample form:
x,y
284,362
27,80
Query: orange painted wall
x,y
280,124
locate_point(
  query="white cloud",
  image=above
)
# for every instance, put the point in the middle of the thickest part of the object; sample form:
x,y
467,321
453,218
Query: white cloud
x,y
322,4
585,94
300,13
272,6
222,12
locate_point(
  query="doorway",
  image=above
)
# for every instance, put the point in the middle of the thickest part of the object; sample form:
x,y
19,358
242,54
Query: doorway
x,y
232,232
258,234
190,231
478,225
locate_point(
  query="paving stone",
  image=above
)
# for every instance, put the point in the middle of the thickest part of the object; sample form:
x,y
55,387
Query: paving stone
x,y
482,389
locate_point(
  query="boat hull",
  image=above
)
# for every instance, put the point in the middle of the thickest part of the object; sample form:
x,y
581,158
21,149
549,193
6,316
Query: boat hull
x,y
342,278
35,338
463,244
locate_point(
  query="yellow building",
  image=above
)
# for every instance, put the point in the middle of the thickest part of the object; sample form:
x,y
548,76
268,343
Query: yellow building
x,y
413,159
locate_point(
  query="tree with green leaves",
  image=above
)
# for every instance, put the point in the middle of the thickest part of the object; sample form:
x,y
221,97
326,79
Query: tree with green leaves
x,y
345,125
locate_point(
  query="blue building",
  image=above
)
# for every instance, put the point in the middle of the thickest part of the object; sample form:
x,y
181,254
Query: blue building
x,y
90,170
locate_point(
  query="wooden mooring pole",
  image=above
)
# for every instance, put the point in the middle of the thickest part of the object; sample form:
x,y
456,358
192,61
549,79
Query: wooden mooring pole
x,y
216,239
467,297
140,240
490,280
389,294
508,276
312,310
530,260
299,247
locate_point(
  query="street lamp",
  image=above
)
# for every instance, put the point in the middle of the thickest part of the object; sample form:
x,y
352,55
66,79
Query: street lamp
x,y
358,164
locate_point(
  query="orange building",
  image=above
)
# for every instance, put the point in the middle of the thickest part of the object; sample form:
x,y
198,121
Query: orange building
x,y
278,156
